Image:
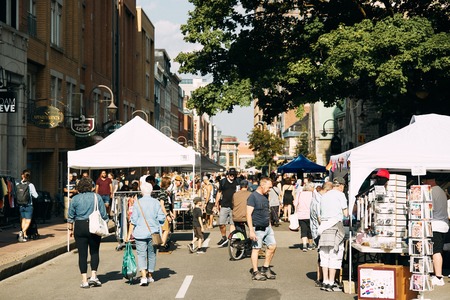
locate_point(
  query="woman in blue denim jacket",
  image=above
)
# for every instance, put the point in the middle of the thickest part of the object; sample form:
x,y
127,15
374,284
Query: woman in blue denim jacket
x,y
81,206
146,210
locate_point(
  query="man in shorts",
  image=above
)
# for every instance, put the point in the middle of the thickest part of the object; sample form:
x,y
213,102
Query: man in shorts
x,y
258,220
331,230
224,202
440,226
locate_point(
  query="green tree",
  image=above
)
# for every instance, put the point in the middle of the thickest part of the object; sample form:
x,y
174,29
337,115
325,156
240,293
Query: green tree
x,y
257,50
265,145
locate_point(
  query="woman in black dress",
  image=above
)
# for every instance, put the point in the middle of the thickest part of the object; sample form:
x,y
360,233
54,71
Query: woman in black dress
x,y
287,193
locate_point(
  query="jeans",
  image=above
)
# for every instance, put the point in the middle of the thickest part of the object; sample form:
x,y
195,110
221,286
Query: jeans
x,y
146,254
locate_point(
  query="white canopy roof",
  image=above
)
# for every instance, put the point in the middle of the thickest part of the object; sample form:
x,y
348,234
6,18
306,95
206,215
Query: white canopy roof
x,y
135,144
423,143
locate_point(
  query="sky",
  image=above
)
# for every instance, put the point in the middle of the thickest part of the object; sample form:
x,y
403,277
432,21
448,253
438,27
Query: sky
x,y
167,16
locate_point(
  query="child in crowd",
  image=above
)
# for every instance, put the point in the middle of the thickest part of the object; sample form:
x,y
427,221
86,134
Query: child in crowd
x,y
197,223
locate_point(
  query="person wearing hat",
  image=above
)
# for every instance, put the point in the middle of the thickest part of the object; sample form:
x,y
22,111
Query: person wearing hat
x,y
440,226
224,202
334,208
69,192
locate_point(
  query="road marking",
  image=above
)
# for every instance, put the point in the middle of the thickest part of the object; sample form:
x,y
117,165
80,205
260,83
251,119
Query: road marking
x,y
184,287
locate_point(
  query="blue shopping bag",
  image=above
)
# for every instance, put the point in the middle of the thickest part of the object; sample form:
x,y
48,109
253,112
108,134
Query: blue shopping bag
x,y
129,263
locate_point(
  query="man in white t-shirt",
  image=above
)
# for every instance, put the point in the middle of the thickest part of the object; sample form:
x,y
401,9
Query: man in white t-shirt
x,y
333,208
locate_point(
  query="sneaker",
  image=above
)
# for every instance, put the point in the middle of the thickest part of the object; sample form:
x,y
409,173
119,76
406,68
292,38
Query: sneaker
x,y
318,283
150,280
144,281
437,281
20,236
258,276
94,282
325,287
192,248
222,242
334,288
268,273
200,251
305,250
84,285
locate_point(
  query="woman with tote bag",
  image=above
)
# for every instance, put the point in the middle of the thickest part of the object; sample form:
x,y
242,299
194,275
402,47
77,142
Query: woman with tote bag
x,y
81,206
145,220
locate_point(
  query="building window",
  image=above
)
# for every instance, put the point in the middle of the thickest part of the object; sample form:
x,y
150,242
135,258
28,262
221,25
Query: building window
x,y
148,48
147,86
55,92
70,90
55,22
9,12
32,18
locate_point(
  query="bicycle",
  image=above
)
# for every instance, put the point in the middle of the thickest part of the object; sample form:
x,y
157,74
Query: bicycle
x,y
238,242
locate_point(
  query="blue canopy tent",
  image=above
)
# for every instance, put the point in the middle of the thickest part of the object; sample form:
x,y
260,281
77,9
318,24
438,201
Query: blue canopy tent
x,y
301,164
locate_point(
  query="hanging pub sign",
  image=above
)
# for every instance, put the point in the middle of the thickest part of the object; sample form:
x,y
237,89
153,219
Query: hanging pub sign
x,y
112,126
47,117
82,126
7,101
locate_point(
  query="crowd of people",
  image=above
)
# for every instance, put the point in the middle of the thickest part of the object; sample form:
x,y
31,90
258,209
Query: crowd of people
x,y
235,201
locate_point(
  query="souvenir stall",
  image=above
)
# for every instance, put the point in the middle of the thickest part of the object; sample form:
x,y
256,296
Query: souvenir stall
x,y
135,144
382,212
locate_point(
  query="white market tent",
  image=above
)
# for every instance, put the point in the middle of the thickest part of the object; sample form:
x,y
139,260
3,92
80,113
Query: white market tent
x,y
135,144
423,143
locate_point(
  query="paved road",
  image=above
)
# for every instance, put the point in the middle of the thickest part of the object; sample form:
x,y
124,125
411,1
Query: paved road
x,y
203,276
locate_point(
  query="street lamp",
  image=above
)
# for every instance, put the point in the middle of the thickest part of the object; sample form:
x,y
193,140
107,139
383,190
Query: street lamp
x,y
170,130
111,107
324,132
185,140
141,111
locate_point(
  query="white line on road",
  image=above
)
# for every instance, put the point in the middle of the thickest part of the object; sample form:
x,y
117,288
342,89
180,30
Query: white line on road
x,y
184,287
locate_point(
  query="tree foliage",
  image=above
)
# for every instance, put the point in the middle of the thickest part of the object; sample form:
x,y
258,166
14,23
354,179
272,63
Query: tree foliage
x,y
265,145
379,51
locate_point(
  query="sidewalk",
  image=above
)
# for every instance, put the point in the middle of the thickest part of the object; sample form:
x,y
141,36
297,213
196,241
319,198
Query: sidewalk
x,y
16,257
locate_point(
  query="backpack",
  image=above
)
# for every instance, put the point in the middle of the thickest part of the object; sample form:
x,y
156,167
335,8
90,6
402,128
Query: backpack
x,y
23,193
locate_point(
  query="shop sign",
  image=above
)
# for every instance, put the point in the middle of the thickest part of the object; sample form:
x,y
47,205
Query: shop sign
x,y
82,126
111,127
7,102
418,171
47,117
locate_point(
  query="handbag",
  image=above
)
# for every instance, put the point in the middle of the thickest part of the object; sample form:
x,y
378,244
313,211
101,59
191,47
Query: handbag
x,y
97,225
129,263
293,222
156,237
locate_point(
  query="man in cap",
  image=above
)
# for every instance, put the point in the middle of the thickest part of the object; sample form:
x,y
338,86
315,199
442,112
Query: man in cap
x,y
331,230
440,226
224,202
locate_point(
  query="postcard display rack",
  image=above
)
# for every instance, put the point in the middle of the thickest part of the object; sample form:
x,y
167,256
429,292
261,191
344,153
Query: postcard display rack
x,y
420,233
383,212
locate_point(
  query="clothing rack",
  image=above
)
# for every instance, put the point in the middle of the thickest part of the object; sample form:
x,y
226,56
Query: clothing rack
x,y
9,219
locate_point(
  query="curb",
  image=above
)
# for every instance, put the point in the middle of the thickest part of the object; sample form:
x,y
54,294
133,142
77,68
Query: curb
x,y
31,261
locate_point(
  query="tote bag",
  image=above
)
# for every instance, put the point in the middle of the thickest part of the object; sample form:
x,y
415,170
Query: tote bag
x,y
128,263
293,222
97,225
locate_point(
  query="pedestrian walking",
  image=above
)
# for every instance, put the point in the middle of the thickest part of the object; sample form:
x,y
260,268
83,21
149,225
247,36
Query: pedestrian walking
x,y
145,220
197,224
25,194
104,187
331,230
258,220
302,204
81,206
224,203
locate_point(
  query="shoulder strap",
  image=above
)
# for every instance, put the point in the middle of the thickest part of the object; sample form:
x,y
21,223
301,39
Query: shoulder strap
x,y
275,191
140,208
95,202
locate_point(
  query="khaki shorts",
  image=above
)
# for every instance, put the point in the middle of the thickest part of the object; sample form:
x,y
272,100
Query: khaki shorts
x,y
166,226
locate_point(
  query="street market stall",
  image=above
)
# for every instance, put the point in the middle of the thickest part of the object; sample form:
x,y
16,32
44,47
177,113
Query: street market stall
x,y
418,148
135,144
